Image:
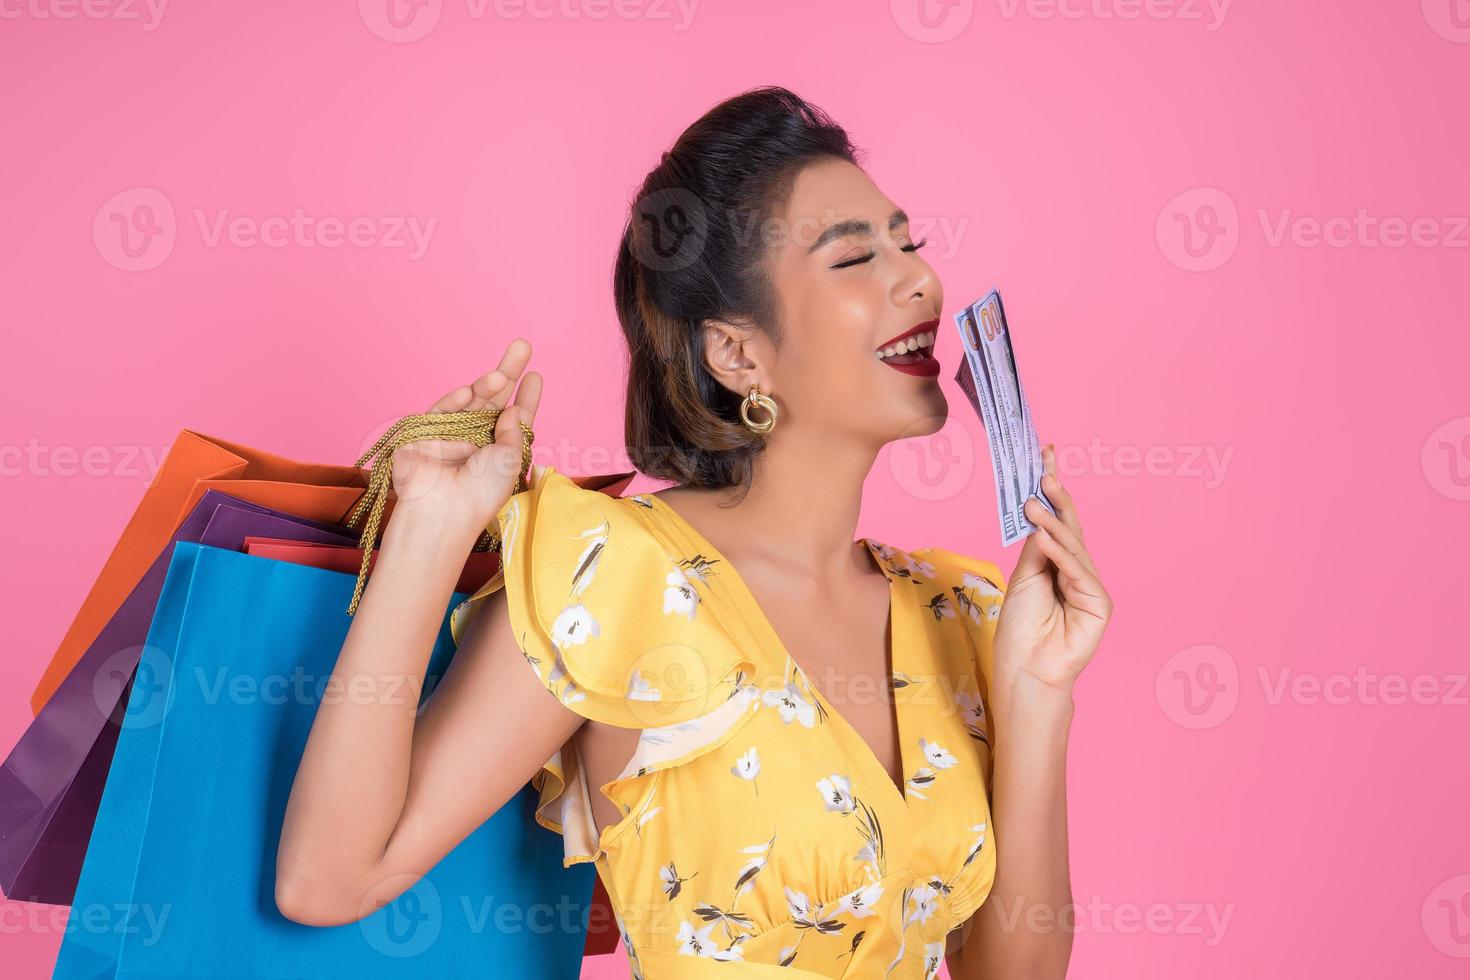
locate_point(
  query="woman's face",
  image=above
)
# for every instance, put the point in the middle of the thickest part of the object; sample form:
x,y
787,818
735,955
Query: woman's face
x,y
849,280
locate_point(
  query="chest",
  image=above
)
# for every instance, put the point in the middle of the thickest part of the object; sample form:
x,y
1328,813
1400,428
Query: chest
x,y
843,644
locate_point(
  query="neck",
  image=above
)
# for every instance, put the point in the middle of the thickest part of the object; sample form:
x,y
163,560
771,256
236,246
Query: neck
x,y
801,512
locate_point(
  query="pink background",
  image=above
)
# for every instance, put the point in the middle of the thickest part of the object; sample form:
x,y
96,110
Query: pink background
x,y
1060,157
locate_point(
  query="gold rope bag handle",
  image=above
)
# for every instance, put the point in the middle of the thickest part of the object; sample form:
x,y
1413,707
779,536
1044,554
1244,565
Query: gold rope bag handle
x,y
476,427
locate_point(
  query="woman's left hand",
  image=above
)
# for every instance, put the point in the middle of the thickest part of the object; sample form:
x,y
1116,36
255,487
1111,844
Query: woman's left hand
x,y
1055,606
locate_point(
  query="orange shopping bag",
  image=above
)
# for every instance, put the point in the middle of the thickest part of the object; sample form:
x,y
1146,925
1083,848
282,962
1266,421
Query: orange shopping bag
x,y
197,463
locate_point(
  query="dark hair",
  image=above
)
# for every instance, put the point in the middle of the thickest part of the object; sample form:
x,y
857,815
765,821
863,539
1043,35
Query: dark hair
x,y
692,249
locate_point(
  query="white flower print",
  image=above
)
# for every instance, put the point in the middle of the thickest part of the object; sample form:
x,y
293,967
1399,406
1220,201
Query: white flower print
x,y
508,523
672,882
979,830
792,705
836,793
745,881
921,779
972,709
937,754
641,688
573,626
680,598
860,901
983,587
805,916
748,766
695,942
587,562
923,904
646,816
933,957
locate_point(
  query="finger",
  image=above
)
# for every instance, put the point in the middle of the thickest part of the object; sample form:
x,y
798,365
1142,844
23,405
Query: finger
x,y
491,388
1051,484
1080,586
522,411
453,401
528,397
512,364
1032,561
485,388
1042,517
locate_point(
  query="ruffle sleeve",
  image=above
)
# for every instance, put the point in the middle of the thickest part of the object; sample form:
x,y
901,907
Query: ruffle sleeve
x,y
976,588
601,613
607,620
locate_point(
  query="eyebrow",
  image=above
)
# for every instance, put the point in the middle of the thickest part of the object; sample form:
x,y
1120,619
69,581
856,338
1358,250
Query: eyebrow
x,y
855,226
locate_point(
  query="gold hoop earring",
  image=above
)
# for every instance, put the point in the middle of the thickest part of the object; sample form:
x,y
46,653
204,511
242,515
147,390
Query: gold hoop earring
x,y
755,398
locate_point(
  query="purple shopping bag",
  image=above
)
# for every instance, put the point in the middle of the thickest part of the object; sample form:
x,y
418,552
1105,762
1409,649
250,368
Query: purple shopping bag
x,y
51,785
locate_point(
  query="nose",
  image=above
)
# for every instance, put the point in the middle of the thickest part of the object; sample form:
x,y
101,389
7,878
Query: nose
x,y
916,281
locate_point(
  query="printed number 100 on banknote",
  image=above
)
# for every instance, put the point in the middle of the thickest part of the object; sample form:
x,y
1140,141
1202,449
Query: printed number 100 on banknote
x,y
989,379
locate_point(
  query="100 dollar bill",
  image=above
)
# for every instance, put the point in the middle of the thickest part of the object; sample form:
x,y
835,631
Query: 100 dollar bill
x,y
991,382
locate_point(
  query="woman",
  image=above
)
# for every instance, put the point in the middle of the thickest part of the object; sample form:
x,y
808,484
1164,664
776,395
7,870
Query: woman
x,y
822,763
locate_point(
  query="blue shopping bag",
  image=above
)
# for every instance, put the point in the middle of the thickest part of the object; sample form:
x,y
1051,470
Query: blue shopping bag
x,y
179,878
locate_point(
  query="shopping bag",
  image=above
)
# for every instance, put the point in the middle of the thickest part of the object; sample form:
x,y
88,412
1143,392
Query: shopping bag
x,y
196,463
52,781
179,881
478,569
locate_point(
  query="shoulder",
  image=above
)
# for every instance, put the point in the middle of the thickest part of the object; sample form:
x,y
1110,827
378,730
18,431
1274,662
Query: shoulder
x,y
975,585
606,617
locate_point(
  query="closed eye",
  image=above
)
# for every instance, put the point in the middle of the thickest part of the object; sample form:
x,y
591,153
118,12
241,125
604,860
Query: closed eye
x,y
864,258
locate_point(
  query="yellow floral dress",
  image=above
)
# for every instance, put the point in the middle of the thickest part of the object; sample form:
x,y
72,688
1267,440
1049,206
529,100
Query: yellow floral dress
x,y
759,831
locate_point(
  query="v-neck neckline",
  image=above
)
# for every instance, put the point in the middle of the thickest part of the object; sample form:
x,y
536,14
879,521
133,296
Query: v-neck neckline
x,y
762,624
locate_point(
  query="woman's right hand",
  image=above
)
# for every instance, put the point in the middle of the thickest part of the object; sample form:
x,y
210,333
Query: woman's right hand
x,y
457,480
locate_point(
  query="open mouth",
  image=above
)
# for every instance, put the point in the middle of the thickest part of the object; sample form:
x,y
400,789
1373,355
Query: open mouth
x,y
912,352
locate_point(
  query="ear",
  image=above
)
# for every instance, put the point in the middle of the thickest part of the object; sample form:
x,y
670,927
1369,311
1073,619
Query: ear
x,y
736,355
